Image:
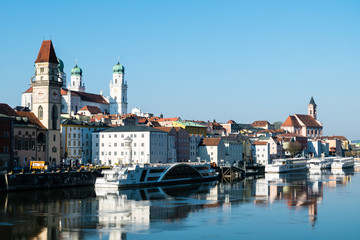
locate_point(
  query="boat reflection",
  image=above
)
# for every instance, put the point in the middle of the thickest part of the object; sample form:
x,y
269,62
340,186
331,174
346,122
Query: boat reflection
x,y
82,213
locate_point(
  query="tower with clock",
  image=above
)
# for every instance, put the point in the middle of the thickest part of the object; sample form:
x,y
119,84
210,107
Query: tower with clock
x,y
46,104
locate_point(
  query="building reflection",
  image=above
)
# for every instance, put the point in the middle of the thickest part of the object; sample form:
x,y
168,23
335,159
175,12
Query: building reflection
x,y
300,190
82,213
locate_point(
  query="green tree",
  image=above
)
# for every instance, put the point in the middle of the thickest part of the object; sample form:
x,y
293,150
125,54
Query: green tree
x,y
277,124
294,148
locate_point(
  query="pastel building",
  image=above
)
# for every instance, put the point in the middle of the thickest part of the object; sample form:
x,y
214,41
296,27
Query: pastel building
x,y
261,152
131,144
191,127
212,150
305,125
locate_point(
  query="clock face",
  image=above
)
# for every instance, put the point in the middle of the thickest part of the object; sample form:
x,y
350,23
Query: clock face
x,y
55,95
40,95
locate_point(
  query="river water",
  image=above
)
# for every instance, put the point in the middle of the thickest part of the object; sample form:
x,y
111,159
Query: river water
x,y
319,205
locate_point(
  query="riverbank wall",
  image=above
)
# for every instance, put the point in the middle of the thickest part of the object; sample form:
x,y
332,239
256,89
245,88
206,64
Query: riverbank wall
x,y
30,181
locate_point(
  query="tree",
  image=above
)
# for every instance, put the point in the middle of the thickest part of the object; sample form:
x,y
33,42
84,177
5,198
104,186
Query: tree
x,y
277,124
294,148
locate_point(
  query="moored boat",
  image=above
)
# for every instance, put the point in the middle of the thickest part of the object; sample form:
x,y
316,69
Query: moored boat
x,y
342,162
156,175
286,165
319,163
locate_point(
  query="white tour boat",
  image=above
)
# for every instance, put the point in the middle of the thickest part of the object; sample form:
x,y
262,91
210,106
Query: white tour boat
x,y
286,165
342,162
319,163
156,175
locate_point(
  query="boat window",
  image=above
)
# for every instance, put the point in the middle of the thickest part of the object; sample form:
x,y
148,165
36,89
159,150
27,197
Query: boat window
x,y
152,178
181,171
157,170
143,175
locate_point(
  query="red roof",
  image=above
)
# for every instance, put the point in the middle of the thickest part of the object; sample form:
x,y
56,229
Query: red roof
x,y
47,53
168,119
30,90
210,142
308,120
260,143
231,122
260,124
32,118
91,109
7,110
165,129
87,97
291,121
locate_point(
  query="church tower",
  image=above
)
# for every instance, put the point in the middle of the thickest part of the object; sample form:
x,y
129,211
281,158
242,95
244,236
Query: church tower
x,y
76,83
312,108
62,75
46,103
118,91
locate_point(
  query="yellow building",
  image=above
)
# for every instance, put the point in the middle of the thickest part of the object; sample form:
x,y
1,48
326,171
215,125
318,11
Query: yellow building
x,y
191,127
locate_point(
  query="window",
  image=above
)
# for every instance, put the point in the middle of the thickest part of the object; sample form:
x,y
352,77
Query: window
x,y
96,144
115,144
115,153
102,144
142,135
40,112
54,137
97,136
74,135
115,135
69,143
122,135
102,153
142,153
109,135
122,144
142,144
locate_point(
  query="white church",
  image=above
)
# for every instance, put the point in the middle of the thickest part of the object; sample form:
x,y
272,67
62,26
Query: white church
x,y
74,97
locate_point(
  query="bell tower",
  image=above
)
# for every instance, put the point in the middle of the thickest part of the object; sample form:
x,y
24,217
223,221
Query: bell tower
x,y
118,91
312,108
46,103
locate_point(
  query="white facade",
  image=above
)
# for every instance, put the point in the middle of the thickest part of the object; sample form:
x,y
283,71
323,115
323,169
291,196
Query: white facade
x,y
214,154
146,146
118,94
261,153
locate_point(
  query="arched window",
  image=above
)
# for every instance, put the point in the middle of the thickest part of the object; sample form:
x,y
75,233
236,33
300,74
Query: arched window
x,y
40,112
54,117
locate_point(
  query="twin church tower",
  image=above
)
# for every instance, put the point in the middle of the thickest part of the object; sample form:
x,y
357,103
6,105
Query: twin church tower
x,y
73,97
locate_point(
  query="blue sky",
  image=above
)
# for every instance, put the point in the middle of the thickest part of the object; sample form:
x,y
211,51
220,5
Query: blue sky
x,y
201,60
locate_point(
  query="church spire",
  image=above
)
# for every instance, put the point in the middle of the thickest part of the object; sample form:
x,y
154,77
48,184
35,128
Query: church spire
x,y
312,108
47,53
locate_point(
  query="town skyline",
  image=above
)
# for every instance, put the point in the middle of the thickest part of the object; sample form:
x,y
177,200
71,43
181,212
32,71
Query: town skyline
x,y
207,69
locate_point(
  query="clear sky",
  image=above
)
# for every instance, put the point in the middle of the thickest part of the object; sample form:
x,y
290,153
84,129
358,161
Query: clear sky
x,y
199,59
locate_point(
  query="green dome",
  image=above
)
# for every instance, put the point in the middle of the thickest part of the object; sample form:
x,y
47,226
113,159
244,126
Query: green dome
x,y
76,71
60,66
118,68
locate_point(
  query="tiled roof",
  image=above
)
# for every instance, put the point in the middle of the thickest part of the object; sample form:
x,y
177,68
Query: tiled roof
x,y
47,53
133,128
32,118
210,141
165,129
7,110
308,120
168,119
260,124
291,121
260,143
30,90
86,97
231,122
91,109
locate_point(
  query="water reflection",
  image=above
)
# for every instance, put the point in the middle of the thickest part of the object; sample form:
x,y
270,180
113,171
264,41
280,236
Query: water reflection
x,y
82,213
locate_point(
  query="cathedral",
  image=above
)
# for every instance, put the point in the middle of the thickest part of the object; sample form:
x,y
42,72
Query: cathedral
x,y
74,97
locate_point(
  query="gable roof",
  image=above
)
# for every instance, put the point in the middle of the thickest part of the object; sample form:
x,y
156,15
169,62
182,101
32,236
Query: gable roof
x,y
91,109
133,128
260,124
7,110
47,53
308,120
210,141
86,97
291,121
32,118
29,90
260,143
168,119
